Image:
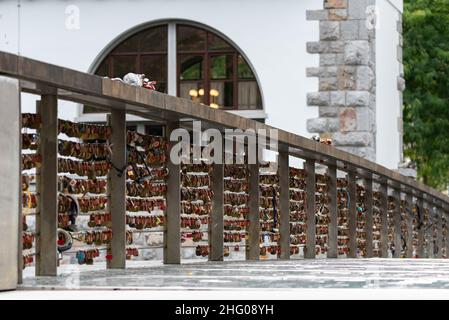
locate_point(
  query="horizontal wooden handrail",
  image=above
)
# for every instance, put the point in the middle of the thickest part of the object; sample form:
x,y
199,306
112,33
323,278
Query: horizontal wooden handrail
x,y
72,85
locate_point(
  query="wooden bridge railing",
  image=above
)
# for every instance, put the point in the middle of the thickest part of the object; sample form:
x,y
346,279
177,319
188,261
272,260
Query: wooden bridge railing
x,y
55,83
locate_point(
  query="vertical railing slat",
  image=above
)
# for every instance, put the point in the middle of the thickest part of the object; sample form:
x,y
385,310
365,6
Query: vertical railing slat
x,y
284,204
352,223
252,245
172,234
333,214
409,221
20,263
117,191
47,219
420,217
447,231
11,227
440,233
310,210
216,236
383,189
428,233
369,217
397,224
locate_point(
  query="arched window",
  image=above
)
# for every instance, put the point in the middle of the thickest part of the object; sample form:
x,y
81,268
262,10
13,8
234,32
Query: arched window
x,y
205,67
144,52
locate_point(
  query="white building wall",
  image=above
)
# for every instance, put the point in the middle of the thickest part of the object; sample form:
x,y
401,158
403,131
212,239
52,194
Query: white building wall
x,y
273,36
389,109
398,4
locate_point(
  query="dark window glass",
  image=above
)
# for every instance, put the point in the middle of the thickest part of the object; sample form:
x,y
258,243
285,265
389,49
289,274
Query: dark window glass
x,y
154,130
150,46
191,39
227,80
249,95
192,90
154,40
123,65
217,43
103,69
191,67
221,94
129,45
243,69
221,67
209,69
90,109
155,68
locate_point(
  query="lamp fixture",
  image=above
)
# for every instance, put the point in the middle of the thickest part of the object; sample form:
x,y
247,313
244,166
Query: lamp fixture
x,y
214,93
193,93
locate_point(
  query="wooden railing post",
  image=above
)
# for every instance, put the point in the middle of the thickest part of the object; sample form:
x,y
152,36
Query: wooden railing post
x,y
333,214
14,112
431,230
117,191
252,245
428,232
369,217
216,232
284,204
310,210
397,224
420,217
440,232
383,189
352,223
445,212
409,222
47,220
172,234
10,181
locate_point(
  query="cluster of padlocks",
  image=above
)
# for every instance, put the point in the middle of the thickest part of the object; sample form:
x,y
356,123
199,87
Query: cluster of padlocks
x,y
343,201
84,166
298,218
196,197
30,197
236,208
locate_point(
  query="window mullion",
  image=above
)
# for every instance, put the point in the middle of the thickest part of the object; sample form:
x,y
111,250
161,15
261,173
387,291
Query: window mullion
x,y
235,81
172,76
206,79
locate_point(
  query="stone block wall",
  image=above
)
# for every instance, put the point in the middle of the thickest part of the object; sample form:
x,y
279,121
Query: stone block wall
x,y
346,97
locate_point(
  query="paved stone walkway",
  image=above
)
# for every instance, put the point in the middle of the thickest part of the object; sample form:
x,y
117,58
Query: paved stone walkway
x,y
299,274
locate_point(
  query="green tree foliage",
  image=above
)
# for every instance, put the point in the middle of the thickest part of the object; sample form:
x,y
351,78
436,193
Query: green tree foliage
x,y
426,99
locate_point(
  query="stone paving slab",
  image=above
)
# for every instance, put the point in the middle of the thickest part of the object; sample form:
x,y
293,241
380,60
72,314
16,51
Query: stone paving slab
x,y
299,274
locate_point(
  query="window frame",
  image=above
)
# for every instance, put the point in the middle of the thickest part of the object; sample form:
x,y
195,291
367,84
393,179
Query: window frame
x,y
173,62
207,55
